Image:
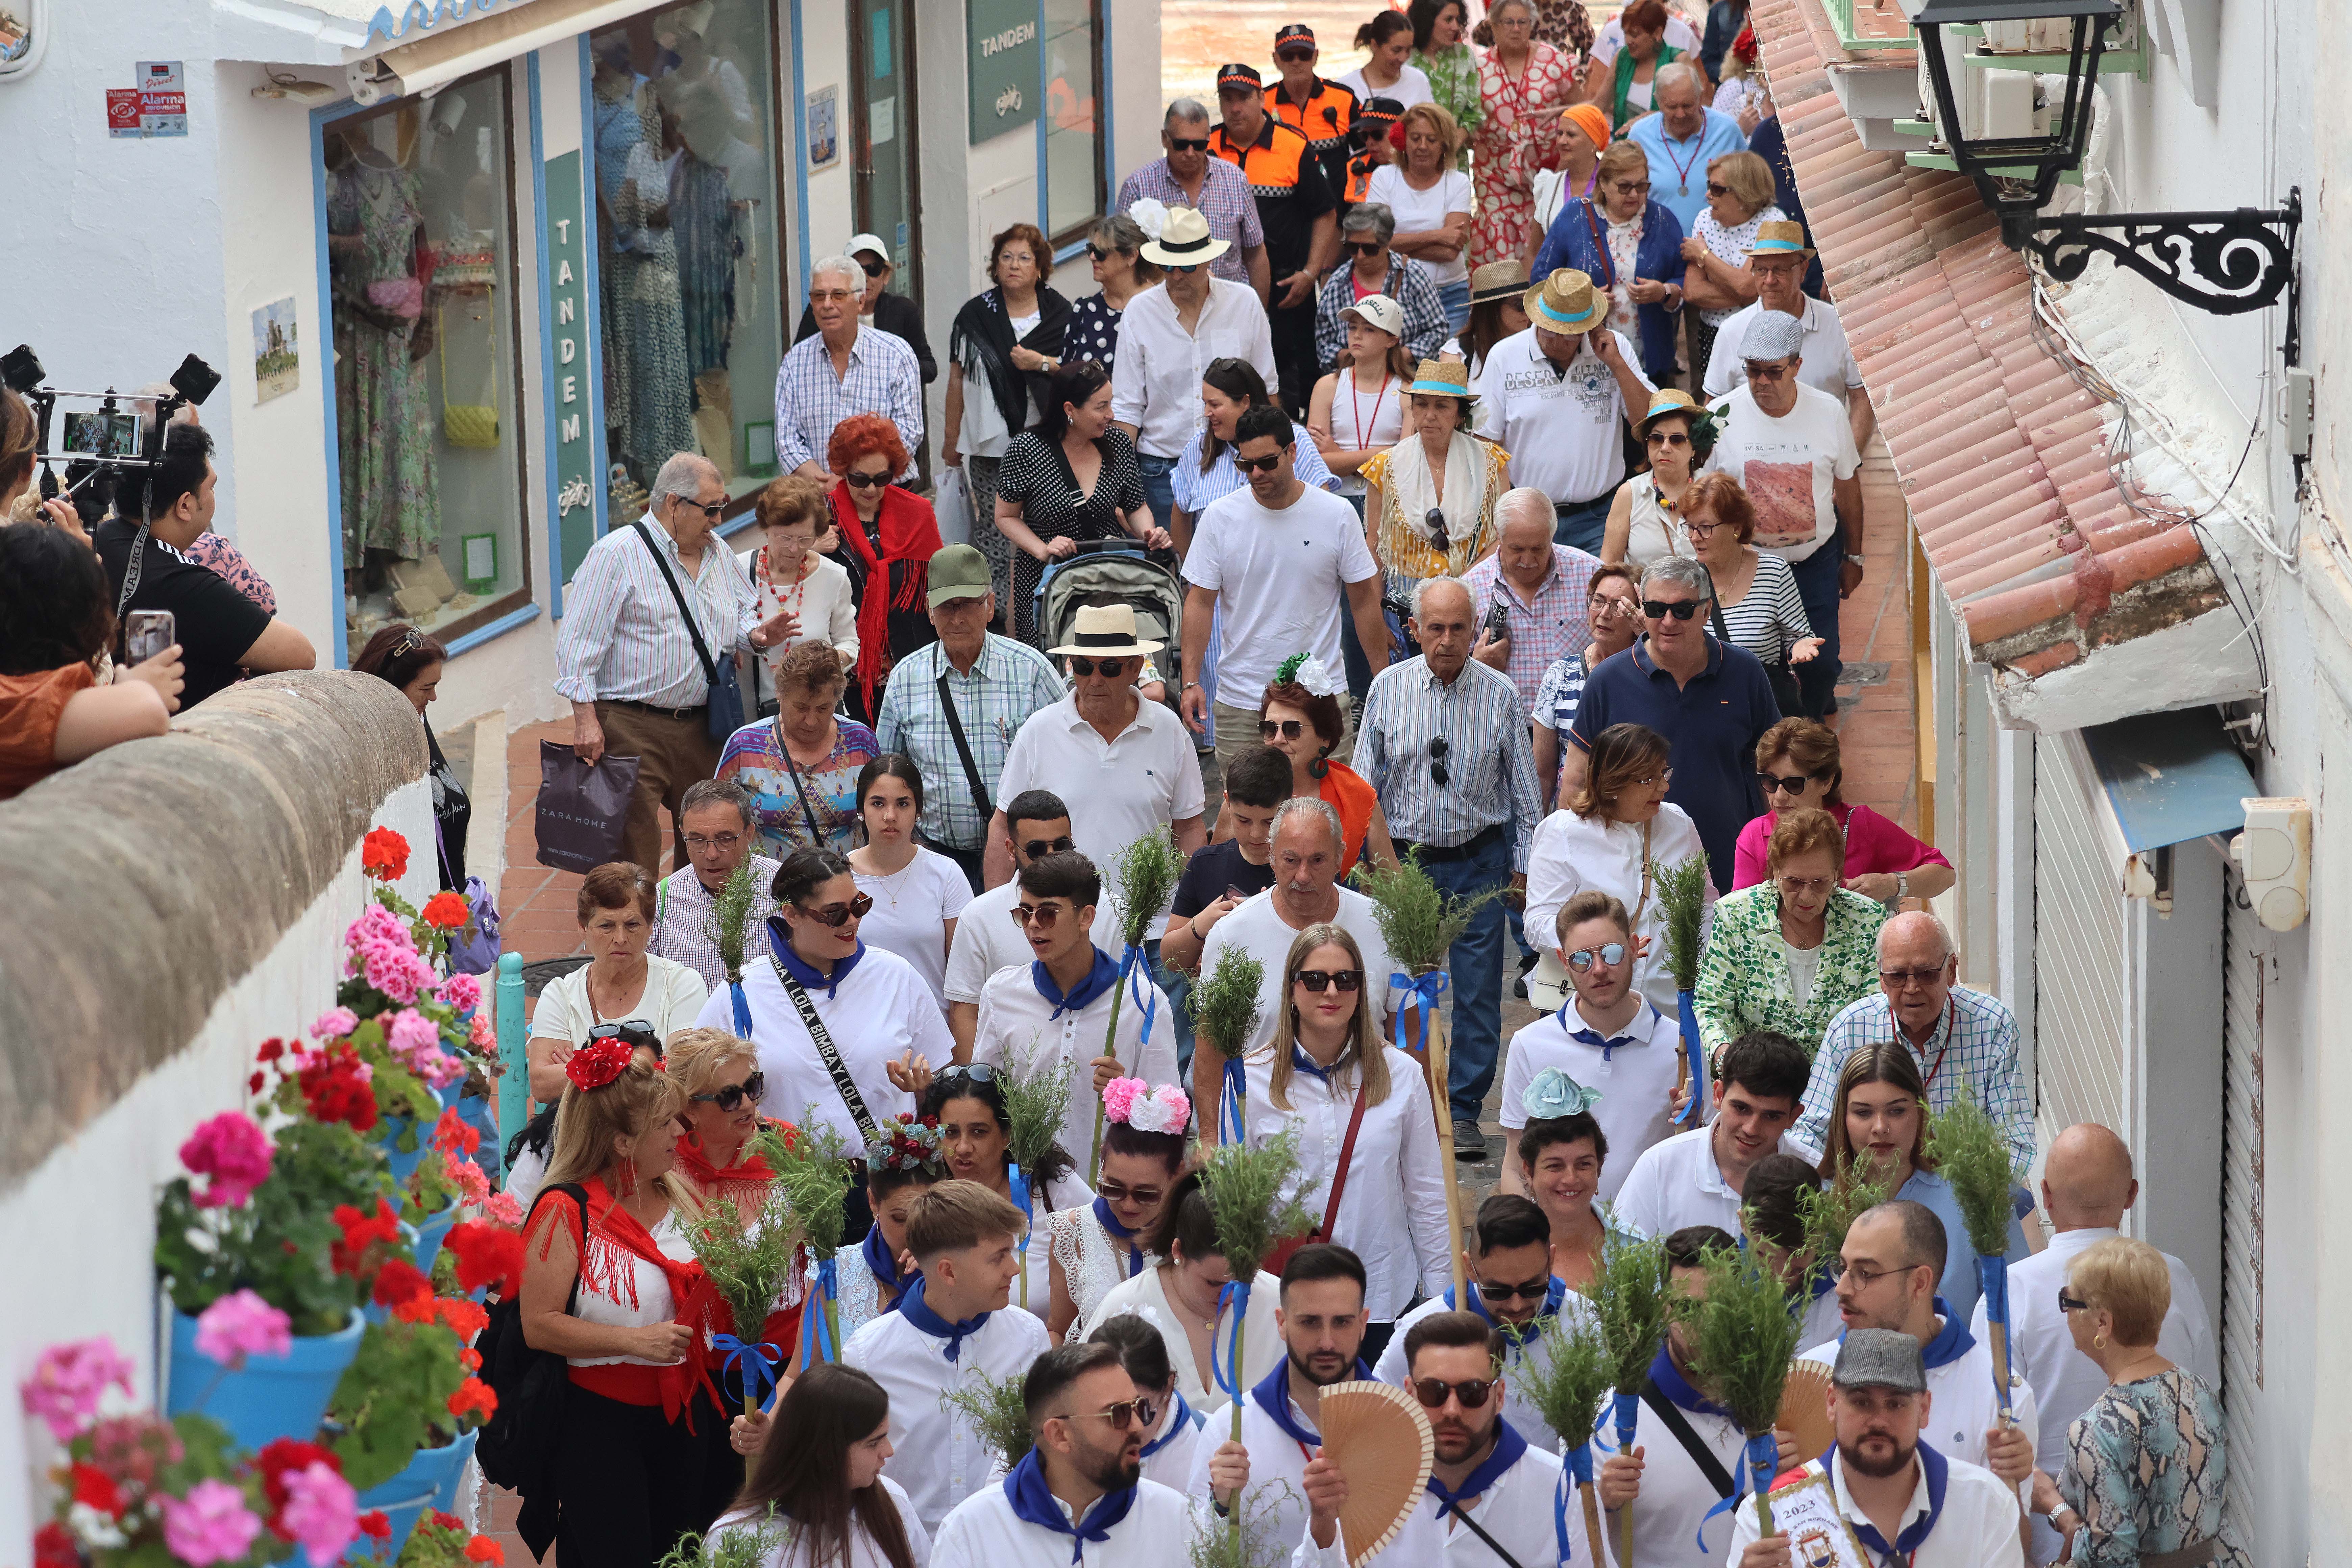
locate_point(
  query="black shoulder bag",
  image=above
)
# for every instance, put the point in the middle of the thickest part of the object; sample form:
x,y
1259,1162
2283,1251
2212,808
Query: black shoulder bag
x,y
964,750
843,1085
517,1446
1676,1422
725,714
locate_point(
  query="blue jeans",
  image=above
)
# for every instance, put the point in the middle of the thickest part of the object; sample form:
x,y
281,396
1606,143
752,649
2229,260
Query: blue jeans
x,y
1178,985
1474,971
1580,525
1817,584
1159,490
1456,298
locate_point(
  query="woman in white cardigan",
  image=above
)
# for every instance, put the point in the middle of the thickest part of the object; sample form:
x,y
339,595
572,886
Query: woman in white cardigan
x,y
789,571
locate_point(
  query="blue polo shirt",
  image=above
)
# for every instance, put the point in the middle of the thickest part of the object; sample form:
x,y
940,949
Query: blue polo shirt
x,y
1679,169
1712,724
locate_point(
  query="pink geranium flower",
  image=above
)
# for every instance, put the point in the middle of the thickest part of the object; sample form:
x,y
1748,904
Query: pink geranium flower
x,y
334,1024
504,1207
210,1525
68,1380
241,1324
1119,1095
462,992
321,1511
232,1149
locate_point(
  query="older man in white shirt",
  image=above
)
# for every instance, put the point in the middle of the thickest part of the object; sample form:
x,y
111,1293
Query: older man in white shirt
x,y
846,368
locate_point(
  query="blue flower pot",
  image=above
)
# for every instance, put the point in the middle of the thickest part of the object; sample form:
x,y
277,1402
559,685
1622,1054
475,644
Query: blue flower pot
x,y
429,1232
404,1165
430,1480
270,1397
481,1115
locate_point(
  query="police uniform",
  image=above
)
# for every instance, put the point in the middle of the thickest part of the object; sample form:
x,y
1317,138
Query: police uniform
x,y
1323,120
1289,184
1376,116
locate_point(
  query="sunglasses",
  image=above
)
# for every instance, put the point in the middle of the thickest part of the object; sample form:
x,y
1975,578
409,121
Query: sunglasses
x,y
1044,917
1717,188
873,268
839,915
1611,953
1773,783
753,1089
1658,609
1265,465
867,481
2067,1303
714,510
1188,268
1121,1416
1288,728
1669,438
977,1072
1319,981
1366,247
637,1031
1294,56
1532,1290
1435,518
1629,187
1098,253
1112,667
1766,370
1188,143
1472,1391
1038,848
1438,772
1119,1193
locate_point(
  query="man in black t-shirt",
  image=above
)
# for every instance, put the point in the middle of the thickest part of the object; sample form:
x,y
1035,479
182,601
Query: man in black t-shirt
x,y
220,631
1239,865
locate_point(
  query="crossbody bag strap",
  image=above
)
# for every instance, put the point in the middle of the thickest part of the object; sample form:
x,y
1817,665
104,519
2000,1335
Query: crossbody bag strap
x,y
964,750
1676,1422
1600,248
800,789
846,1086
693,627
1347,1154
1644,901
1493,1545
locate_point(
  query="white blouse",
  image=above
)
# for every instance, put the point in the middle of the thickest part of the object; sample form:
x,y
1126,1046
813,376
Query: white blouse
x,y
673,995
785,1551
1652,531
1067,1191
1093,1263
1262,1350
1572,853
640,1301
1392,1212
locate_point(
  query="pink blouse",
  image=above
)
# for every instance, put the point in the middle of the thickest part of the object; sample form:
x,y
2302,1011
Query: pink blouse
x,y
1873,844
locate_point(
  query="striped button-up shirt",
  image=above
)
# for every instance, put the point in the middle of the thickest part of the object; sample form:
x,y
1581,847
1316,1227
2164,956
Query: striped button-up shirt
x,y
1225,201
1009,681
884,377
623,639
1973,1047
1556,621
1489,762
686,925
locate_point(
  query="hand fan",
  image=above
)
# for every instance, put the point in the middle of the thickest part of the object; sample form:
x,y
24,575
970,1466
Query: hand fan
x,y
1805,1409
1379,1438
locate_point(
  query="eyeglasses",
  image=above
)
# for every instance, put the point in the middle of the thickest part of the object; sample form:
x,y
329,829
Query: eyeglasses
x,y
1319,981
1531,1290
1796,887
867,481
1366,247
1111,668
1119,1192
1121,1416
1288,728
2067,1303
1683,610
1038,848
1898,979
873,268
1766,370
1717,188
1187,144
1472,1391
753,1089
1773,783
1438,772
702,844
838,915
1701,532
1265,465
1042,916
1611,953
1435,518
1870,1276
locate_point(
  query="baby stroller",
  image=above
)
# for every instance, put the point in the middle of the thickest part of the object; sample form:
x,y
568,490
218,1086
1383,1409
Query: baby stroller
x,y
1114,571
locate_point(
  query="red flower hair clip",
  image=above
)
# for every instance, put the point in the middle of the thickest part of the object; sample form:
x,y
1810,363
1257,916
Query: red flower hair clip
x,y
594,1065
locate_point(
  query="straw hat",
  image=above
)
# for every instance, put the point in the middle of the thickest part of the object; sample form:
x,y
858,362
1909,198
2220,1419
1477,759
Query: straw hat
x,y
1498,280
1379,311
1674,400
1185,241
1781,238
1443,378
1106,631
1379,1438
1565,303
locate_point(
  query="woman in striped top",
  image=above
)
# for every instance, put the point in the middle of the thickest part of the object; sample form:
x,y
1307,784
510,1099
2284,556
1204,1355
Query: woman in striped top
x,y
1756,593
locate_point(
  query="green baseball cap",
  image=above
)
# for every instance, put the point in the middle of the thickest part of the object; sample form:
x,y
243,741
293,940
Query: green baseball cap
x,y
957,572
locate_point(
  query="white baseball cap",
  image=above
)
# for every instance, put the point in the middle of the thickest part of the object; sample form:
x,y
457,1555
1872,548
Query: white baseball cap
x,y
873,242
1379,310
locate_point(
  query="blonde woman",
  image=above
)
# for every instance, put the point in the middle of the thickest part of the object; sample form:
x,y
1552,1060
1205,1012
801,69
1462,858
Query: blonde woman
x,y
1719,281
1429,503
1431,201
606,1225
1366,1134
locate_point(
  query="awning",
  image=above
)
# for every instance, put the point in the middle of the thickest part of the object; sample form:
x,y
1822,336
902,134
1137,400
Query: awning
x,y
431,61
2168,778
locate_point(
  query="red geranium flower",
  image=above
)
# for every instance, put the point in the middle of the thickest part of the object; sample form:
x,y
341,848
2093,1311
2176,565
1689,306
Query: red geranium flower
x,y
271,1050
482,1549
375,1524
280,1456
360,1232
486,1254
453,1134
53,1547
446,1520
334,1084
446,910
93,1487
399,1281
473,1396
383,854
466,1318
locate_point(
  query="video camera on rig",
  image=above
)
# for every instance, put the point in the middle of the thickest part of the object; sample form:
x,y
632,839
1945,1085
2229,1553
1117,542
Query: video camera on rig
x,y
98,443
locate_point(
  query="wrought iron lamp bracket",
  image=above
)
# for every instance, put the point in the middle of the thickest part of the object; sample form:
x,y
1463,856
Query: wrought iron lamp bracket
x,y
2227,263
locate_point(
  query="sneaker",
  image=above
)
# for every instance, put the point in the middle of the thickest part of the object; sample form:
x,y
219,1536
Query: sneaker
x,y
1469,1143
1520,983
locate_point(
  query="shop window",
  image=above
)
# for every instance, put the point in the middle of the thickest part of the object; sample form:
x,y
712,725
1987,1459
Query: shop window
x,y
686,259
1075,191
420,225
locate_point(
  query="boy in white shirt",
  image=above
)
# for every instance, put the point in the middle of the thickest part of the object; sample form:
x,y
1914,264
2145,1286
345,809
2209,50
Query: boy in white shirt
x,y
1772,1215
1695,1177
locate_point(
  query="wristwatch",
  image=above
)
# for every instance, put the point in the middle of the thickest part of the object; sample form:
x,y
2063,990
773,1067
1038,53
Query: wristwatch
x,y
1855,556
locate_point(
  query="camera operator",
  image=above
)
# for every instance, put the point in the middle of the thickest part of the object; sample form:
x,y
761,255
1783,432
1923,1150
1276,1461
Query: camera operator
x,y
220,630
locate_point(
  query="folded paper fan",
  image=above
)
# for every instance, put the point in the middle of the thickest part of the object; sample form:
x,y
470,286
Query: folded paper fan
x,y
1379,1438
1805,1409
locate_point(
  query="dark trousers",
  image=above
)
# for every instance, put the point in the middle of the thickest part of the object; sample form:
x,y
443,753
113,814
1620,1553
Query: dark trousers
x,y
1817,584
672,753
1295,363
1377,1335
1474,974
1580,524
628,1483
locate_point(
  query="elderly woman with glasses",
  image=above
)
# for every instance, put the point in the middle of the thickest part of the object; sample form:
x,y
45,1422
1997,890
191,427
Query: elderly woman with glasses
x,y
621,982
1720,281
1797,761
1366,244
1757,605
1787,954
1631,247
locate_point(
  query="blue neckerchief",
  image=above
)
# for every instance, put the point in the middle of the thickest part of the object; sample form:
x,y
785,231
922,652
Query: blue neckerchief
x,y
1509,1448
1677,1388
1179,1421
1118,1232
918,1312
1555,1293
1273,1395
1950,1343
1307,1064
1099,979
1034,1503
882,1266
798,967
1940,1471
1573,1022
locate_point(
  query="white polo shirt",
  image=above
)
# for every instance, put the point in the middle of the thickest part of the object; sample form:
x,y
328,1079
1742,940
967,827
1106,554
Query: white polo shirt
x,y
1017,1027
1119,790
1977,1529
1790,465
1564,426
1518,1357
1277,1485
940,1460
987,940
1827,362
1633,1069
1961,1408
1676,1184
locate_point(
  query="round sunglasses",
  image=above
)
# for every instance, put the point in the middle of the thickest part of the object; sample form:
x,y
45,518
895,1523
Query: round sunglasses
x,y
1611,953
838,915
1472,1391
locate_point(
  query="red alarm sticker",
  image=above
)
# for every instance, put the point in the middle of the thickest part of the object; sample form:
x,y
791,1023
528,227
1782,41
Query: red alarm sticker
x,y
122,111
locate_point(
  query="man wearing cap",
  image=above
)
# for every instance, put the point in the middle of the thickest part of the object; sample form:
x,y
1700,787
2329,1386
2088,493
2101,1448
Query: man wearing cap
x,y
1681,139
1185,175
955,706
878,307
1778,256
1904,1499
1126,766
1297,204
1322,112
1167,337
1366,230
1792,446
1558,397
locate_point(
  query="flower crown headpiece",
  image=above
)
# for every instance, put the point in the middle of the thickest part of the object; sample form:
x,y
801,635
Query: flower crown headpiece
x,y
1309,671
1166,1109
1553,1094
594,1065
907,1144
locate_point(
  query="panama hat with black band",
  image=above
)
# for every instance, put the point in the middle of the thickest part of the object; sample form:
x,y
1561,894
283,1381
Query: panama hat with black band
x,y
1106,631
1498,280
1185,241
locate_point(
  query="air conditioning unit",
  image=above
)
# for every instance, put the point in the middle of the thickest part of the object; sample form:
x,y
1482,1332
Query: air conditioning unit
x,y
2000,98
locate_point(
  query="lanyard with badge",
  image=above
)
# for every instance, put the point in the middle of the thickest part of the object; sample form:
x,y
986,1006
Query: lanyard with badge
x,y
1951,1025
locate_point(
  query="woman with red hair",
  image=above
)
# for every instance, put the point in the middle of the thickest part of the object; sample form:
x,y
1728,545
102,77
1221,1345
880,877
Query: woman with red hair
x,y
886,538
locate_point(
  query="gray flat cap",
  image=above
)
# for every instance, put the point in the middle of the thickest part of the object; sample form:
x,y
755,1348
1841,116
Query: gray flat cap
x,y
1880,1358
1772,335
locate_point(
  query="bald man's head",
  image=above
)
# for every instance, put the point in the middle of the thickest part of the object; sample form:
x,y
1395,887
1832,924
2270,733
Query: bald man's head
x,y
2086,1183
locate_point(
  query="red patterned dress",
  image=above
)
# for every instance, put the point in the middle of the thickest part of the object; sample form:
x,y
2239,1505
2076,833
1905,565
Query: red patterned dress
x,y
1517,110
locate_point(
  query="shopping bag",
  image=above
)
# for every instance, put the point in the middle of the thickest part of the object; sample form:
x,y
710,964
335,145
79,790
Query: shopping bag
x,y
952,507
584,807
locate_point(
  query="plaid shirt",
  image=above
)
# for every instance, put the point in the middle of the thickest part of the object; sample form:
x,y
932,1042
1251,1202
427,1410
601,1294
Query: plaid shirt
x,y
1557,623
1009,681
884,377
1225,201
685,929
1425,326
1974,1046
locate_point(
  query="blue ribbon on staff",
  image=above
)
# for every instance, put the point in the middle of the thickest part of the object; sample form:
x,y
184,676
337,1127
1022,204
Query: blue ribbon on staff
x,y
1412,992
742,1010
1227,1367
1133,966
1577,1471
1992,1277
816,1333
1763,1456
753,1363
1234,1128
1686,1009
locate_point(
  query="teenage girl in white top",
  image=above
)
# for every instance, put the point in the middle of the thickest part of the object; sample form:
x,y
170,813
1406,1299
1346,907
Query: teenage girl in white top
x,y
1359,409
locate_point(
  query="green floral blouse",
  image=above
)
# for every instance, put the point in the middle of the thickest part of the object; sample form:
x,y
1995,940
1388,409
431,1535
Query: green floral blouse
x,y
1743,976
1454,82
